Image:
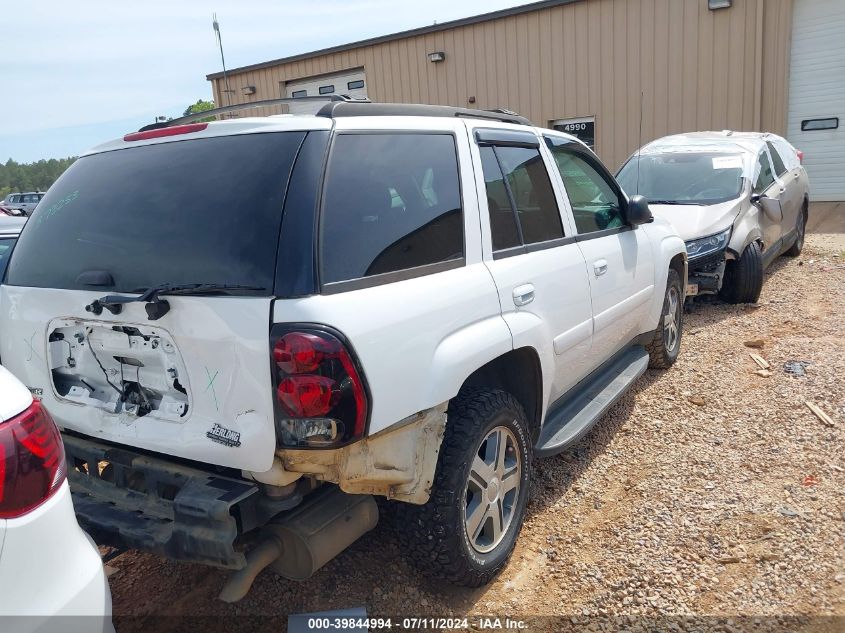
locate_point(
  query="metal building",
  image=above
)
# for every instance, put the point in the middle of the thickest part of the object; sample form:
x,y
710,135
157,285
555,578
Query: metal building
x,y
585,66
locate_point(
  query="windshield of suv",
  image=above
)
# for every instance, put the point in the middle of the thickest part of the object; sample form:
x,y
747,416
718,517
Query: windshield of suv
x,y
201,211
684,178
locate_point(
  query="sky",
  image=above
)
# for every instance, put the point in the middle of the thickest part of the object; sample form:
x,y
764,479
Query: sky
x,y
75,74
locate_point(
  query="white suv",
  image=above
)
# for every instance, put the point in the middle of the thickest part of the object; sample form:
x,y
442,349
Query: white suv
x,y
48,566
405,301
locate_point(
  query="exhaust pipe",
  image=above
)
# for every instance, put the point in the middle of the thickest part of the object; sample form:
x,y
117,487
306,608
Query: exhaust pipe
x,y
307,538
240,582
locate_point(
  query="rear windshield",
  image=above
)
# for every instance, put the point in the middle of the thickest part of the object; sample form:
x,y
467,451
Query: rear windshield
x,y
194,211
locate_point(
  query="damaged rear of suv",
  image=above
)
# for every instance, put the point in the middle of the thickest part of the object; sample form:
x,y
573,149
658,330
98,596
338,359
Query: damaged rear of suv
x,y
247,329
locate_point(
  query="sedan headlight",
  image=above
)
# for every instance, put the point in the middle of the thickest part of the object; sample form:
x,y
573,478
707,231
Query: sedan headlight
x,y
705,245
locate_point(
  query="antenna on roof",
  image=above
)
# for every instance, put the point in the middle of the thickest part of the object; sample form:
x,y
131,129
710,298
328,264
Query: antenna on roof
x,y
640,147
216,26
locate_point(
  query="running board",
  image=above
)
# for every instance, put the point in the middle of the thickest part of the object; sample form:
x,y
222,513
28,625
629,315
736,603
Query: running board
x,y
568,420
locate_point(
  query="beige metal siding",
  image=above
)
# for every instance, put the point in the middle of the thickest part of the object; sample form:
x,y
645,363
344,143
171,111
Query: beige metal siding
x,y
697,69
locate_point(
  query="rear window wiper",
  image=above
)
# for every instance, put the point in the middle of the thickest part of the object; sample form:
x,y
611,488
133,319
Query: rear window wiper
x,y
156,307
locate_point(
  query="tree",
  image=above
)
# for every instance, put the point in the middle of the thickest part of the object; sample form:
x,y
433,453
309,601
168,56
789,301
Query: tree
x,y
200,106
37,176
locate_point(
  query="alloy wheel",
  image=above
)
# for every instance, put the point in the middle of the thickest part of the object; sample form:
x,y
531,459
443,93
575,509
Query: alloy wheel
x,y
672,320
490,499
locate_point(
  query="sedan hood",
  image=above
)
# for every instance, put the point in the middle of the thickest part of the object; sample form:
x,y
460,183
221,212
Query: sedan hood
x,y
693,221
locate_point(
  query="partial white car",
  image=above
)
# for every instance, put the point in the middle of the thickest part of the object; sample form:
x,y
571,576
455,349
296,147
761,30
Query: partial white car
x,y
49,567
10,228
738,199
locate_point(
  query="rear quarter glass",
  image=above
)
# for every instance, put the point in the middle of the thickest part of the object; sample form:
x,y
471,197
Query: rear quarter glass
x,y
194,211
392,202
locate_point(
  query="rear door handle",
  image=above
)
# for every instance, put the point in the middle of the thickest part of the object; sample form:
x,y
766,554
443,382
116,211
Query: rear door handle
x,y
600,267
523,295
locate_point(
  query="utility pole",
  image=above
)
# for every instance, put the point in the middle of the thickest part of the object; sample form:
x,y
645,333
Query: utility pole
x,y
223,60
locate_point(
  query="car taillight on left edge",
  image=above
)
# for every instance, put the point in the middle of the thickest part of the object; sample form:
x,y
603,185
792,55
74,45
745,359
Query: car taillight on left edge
x,y
321,399
32,461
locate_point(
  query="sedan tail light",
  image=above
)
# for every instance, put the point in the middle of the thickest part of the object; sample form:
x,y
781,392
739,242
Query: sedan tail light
x,y
800,156
32,461
320,394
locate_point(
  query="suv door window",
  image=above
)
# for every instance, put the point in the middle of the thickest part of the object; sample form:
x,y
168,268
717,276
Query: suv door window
x,y
780,168
596,203
503,227
392,201
765,176
520,198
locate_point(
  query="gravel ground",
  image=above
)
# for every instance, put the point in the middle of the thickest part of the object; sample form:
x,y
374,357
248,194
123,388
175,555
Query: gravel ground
x,y
708,490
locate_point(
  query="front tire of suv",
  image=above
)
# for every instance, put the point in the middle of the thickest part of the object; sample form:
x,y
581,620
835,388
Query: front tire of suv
x,y
801,230
666,342
467,531
744,276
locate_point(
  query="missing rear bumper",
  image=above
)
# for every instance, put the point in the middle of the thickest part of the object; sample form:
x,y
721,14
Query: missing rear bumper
x,y
128,499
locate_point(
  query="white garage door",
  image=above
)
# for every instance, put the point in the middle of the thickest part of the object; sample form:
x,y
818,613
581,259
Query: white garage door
x,y
352,83
816,123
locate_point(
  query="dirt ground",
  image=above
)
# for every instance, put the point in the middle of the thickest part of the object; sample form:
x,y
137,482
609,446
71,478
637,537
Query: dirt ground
x,y
708,490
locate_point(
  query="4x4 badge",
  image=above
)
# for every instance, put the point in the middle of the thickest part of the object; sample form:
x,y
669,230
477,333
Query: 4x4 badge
x,y
222,435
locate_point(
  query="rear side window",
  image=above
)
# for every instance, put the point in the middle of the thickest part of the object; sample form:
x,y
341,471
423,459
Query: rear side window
x,y
205,210
520,198
780,168
6,245
392,202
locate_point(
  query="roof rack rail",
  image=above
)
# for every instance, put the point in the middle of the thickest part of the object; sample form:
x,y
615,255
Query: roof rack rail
x,y
252,105
346,106
359,108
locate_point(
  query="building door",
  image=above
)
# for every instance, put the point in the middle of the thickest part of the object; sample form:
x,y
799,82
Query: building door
x,y
817,94
351,83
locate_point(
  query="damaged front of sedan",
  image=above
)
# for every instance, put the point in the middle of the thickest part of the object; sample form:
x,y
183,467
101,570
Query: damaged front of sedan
x,y
733,200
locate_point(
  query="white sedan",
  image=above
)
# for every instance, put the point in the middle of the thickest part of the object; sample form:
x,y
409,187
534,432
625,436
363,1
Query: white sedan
x,y
49,567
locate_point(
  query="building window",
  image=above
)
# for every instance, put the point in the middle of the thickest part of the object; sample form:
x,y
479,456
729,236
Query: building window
x,y
354,85
299,93
326,90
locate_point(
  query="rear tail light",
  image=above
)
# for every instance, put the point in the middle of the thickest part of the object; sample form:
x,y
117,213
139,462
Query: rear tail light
x,y
320,394
32,461
800,156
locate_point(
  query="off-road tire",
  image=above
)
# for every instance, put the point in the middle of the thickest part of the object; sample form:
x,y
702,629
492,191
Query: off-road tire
x,y
798,244
744,277
433,535
659,355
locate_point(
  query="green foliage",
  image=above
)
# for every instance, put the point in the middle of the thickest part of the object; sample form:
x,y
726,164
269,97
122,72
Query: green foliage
x,y
37,176
200,106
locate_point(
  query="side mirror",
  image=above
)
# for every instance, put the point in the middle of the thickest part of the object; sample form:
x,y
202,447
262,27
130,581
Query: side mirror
x,y
756,197
638,211
772,208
